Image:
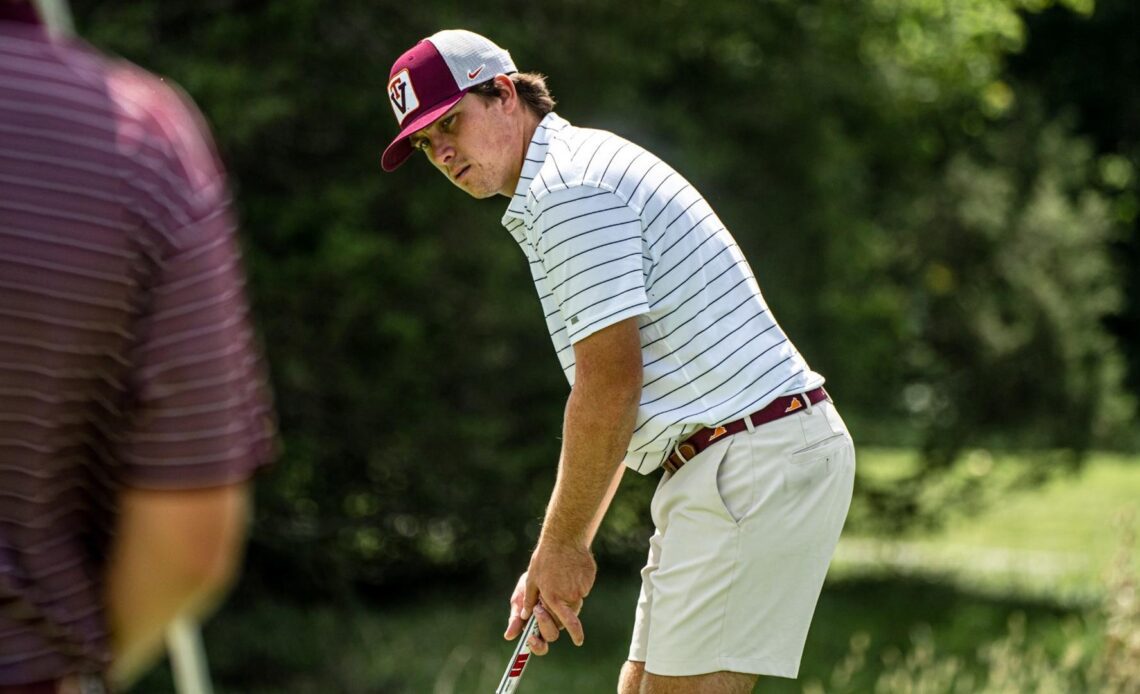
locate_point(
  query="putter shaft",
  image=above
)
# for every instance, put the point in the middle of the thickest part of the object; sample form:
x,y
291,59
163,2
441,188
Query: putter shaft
x,y
518,660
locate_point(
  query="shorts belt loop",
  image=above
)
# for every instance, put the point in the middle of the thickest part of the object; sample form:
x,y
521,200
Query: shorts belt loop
x,y
807,401
748,423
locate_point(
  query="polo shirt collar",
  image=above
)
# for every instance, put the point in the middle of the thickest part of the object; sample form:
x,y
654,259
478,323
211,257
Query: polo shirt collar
x,y
535,156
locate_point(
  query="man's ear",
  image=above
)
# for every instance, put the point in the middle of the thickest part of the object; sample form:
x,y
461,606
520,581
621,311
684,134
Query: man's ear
x,y
507,94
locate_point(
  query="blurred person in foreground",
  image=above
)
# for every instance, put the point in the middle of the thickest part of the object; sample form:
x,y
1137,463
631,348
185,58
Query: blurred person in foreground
x,y
675,364
133,409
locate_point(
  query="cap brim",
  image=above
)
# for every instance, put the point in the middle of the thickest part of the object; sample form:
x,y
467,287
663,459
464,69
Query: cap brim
x,y
400,149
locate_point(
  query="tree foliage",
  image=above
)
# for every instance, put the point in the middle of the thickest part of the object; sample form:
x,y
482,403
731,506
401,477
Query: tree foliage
x,y
1086,71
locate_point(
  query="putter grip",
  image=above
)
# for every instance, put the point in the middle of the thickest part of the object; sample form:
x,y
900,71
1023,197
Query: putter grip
x,y
518,660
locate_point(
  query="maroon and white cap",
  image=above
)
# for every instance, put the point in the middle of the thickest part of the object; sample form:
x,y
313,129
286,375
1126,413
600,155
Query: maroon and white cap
x,y
433,76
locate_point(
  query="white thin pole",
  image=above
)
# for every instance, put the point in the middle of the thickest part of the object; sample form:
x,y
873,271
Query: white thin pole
x,y
188,657
57,16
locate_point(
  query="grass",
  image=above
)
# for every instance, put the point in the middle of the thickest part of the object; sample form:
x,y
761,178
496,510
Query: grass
x,y
450,644
1051,542
1010,590
1067,514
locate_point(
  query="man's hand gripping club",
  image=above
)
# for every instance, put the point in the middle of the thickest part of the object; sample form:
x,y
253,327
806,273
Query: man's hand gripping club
x,y
554,588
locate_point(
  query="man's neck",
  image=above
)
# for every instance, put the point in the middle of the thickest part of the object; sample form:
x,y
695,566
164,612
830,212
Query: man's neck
x,y
529,123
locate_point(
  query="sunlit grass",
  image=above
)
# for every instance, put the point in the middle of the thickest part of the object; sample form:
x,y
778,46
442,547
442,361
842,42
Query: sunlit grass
x,y
1071,513
1050,541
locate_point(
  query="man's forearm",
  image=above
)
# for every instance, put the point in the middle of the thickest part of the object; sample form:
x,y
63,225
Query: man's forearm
x,y
600,515
140,612
600,415
174,553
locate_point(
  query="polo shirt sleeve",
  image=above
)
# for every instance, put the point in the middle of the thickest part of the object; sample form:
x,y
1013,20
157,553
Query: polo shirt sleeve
x,y
197,411
591,247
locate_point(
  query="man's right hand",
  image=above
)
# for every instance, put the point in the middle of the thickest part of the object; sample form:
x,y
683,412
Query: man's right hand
x,y
548,627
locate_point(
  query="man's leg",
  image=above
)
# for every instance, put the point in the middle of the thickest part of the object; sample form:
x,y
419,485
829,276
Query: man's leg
x,y
712,683
634,680
630,680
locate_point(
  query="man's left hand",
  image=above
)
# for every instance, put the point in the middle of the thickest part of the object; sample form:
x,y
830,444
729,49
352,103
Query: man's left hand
x,y
563,575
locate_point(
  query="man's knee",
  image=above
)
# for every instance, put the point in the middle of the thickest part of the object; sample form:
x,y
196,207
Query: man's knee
x,y
712,683
630,680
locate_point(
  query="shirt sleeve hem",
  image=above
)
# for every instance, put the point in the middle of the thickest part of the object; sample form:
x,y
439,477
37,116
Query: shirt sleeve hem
x,y
592,326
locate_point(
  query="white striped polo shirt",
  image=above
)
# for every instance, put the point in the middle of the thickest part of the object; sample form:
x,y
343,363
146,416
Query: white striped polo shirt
x,y
613,232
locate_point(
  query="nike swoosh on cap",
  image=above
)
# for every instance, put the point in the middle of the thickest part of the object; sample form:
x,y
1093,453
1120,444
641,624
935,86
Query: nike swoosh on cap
x,y
472,74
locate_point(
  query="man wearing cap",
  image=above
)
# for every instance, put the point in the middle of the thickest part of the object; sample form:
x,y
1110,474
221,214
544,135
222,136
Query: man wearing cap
x,y
675,361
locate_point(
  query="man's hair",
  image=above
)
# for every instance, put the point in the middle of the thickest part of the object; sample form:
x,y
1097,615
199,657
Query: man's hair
x,y
531,87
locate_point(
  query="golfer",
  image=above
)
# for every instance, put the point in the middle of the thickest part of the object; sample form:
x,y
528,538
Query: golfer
x,y
676,364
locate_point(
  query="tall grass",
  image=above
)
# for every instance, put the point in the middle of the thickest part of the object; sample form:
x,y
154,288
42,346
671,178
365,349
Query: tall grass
x,y
1120,663
1098,653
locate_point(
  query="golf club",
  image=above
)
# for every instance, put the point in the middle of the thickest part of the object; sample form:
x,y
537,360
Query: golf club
x,y
518,660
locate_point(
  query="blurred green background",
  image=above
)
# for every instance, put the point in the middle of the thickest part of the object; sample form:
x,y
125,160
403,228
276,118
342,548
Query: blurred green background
x,y
941,201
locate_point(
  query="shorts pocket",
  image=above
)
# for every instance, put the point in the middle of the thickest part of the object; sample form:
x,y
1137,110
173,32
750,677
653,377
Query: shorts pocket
x,y
689,486
735,481
809,465
823,443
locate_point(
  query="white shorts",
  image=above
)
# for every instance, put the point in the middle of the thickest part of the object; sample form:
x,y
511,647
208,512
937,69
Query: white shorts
x,y
745,533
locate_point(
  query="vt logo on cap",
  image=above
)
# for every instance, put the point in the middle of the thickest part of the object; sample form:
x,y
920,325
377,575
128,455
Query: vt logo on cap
x,y
403,95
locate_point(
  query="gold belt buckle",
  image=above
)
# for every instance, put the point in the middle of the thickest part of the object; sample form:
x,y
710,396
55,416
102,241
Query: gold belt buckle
x,y
684,452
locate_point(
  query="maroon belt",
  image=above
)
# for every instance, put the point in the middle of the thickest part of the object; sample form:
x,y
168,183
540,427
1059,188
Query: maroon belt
x,y
702,439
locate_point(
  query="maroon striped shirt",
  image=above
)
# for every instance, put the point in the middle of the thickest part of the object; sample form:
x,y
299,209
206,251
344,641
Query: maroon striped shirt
x,y
126,355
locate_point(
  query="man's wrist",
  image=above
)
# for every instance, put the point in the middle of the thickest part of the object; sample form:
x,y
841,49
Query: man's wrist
x,y
563,541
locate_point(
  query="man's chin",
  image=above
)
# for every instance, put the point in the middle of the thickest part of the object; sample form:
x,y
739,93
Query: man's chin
x,y
473,188
463,186
478,193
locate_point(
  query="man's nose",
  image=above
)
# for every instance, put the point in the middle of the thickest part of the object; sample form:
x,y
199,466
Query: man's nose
x,y
442,153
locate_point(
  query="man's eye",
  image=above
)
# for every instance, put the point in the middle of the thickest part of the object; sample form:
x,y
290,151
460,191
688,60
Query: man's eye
x,y
421,145
446,123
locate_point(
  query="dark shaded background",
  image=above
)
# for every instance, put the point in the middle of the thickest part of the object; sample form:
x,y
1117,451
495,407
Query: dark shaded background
x,y
940,201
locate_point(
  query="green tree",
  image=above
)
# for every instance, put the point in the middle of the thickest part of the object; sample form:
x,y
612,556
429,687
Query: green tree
x,y
1087,68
